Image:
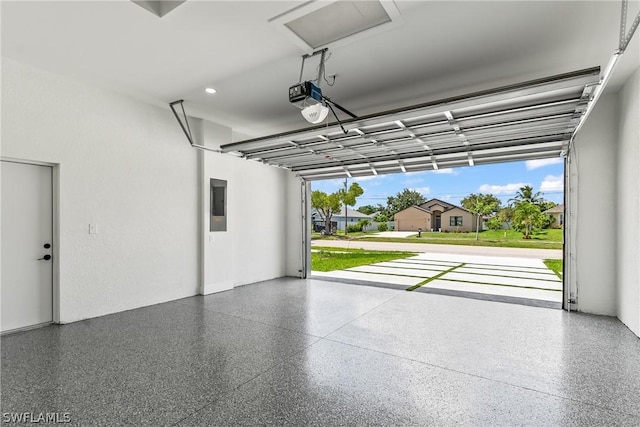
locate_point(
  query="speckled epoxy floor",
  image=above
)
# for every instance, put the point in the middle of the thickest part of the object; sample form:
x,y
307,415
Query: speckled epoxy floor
x,y
294,352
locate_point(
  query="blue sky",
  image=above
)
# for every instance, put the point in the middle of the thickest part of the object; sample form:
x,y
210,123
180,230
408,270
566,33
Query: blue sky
x,y
502,180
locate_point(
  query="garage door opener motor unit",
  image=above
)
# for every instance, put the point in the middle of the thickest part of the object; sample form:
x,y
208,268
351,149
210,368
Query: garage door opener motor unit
x,y
308,95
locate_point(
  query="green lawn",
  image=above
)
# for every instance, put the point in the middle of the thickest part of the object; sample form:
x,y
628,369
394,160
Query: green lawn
x,y
554,265
541,239
329,259
549,235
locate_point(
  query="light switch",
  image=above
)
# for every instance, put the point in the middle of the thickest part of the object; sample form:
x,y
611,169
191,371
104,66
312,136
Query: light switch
x,y
93,229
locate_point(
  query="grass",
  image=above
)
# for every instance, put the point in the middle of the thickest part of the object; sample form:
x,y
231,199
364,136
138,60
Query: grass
x,y
330,259
548,235
341,236
554,265
541,239
431,279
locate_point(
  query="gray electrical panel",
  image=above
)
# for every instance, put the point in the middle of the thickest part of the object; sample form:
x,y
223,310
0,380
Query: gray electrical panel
x,y
218,214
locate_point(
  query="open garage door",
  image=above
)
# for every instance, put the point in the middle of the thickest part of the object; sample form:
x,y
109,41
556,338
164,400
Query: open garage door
x,y
535,119
527,121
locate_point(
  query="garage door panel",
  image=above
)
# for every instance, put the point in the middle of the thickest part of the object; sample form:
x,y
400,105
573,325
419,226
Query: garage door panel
x,y
523,121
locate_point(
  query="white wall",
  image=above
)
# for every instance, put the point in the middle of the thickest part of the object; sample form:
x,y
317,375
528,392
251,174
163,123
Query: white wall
x,y
594,161
124,166
628,213
263,219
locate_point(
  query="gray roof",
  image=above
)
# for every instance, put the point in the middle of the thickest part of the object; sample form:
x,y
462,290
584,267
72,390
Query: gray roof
x,y
555,209
350,212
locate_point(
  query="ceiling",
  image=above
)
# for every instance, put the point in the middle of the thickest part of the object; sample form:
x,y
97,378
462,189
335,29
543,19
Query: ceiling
x,y
439,49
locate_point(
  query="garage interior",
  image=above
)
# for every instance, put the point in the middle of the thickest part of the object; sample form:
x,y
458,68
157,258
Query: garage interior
x,y
159,317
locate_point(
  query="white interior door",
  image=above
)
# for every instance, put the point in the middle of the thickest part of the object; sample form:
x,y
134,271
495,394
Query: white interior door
x,y
27,266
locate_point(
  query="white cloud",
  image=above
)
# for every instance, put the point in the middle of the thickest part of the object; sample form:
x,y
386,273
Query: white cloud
x,y
367,178
535,164
552,183
422,190
448,171
501,189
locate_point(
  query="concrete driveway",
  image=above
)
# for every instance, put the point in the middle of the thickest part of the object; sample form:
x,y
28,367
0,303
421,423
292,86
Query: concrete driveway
x,y
444,249
400,234
506,274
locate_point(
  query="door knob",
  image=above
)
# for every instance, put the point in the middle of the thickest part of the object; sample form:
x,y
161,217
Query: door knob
x,y
46,258
47,245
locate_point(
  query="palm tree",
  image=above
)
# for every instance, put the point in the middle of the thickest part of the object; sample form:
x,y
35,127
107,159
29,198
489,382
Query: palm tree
x,y
527,215
526,194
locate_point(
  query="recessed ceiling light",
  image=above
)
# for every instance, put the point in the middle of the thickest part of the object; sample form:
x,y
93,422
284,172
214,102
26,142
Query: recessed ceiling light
x,y
210,90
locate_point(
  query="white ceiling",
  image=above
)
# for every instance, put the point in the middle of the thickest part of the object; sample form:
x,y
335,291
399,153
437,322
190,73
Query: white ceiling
x,y
443,48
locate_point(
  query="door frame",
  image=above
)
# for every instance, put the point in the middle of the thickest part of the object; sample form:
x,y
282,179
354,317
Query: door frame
x,y
305,189
55,228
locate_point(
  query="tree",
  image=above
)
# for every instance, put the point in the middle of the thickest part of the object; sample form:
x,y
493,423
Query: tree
x,y
348,198
545,205
527,210
383,212
527,215
494,223
404,199
326,205
367,209
381,217
526,194
505,216
487,199
549,219
479,205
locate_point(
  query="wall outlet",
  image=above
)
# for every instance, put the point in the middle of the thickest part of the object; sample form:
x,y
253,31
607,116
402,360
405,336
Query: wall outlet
x,y
93,229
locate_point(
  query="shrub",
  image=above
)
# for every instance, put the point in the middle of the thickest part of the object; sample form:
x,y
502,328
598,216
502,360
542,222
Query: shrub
x,y
381,218
494,224
382,226
354,228
363,223
547,222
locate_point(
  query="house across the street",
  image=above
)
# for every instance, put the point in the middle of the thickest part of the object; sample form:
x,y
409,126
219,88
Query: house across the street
x,y
557,212
435,215
338,220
